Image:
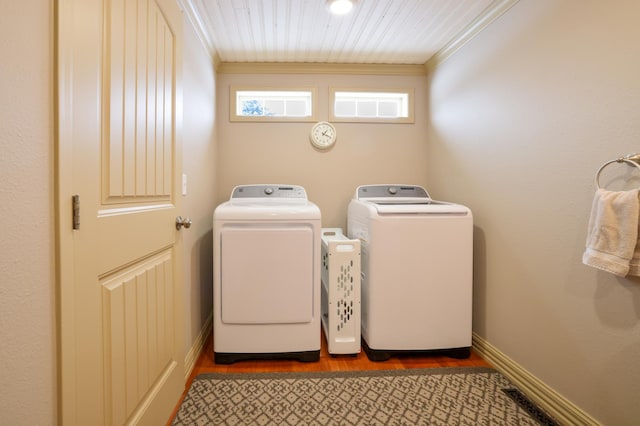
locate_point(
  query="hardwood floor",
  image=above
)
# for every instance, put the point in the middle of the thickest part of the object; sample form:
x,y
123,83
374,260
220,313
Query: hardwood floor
x,y
327,362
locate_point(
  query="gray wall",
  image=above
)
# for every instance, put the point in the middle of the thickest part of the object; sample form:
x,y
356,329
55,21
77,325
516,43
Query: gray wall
x,y
522,118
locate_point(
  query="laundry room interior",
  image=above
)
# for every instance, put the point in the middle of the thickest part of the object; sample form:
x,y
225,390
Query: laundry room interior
x,y
514,121
514,124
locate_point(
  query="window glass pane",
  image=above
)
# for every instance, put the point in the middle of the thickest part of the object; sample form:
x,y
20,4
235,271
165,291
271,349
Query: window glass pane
x,y
371,105
345,108
367,109
388,109
278,104
274,106
297,108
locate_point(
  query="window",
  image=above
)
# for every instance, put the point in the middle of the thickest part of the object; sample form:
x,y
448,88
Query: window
x,y
371,105
272,104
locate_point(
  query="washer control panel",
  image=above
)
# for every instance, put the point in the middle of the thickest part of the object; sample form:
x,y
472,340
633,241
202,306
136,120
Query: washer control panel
x,y
391,191
269,191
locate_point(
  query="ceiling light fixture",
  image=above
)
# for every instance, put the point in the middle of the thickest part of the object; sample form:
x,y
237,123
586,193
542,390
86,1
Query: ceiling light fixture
x,y
340,7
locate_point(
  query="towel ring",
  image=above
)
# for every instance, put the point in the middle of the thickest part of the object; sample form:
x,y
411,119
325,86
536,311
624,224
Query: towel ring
x,y
630,159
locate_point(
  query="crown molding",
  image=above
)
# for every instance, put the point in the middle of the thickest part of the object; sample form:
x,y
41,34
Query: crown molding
x,y
490,14
319,68
198,27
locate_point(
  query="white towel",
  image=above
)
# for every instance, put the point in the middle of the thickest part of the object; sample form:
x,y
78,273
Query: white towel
x,y
634,264
612,234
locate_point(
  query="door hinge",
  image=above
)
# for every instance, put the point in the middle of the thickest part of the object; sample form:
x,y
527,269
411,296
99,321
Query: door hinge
x,y
75,200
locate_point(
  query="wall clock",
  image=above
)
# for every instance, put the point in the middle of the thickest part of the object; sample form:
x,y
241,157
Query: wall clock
x,y
323,135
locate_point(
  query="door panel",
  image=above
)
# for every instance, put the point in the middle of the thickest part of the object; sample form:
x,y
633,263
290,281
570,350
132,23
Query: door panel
x,y
138,331
155,224
120,294
138,144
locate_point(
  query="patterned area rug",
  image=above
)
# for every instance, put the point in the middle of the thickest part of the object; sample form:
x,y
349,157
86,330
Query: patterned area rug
x,y
434,396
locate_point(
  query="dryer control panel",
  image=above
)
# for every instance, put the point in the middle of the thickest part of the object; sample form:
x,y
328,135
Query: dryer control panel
x,y
269,191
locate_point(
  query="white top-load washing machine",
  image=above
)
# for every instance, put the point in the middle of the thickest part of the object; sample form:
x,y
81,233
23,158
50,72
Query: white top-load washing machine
x,y
417,271
266,285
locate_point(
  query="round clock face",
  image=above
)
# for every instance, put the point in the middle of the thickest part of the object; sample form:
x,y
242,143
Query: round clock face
x,y
323,135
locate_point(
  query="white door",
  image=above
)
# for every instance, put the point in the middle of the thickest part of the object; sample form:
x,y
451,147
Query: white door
x,y
119,296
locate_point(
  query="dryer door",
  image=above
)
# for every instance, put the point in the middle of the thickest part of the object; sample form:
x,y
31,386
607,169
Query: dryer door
x,y
267,274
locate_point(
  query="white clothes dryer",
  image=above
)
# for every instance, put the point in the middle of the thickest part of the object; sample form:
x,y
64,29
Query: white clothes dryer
x,y
417,271
266,285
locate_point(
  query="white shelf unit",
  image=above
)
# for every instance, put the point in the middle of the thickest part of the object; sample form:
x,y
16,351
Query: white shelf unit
x,y
340,291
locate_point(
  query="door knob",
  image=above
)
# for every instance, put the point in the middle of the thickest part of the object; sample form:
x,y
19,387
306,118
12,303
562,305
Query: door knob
x,y
180,222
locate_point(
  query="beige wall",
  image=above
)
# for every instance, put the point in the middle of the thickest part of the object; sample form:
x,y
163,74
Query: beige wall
x,y
522,118
281,152
199,159
27,285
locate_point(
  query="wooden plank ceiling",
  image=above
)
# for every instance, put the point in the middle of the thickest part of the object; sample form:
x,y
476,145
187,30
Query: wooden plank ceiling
x,y
303,31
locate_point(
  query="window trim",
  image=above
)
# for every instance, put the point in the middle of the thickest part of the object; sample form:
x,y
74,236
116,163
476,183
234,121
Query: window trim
x,y
410,106
234,117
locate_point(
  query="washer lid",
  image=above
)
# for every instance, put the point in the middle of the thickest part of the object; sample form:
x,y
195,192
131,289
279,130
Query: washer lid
x,y
405,199
431,208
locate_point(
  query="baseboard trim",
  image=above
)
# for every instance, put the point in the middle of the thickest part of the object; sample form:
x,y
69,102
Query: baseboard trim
x,y
195,351
548,399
